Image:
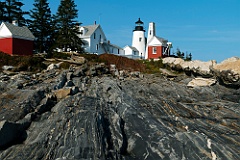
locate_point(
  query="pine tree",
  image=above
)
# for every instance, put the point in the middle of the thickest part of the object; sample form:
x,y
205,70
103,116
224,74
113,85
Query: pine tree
x,y
67,26
13,11
2,11
41,25
179,54
190,56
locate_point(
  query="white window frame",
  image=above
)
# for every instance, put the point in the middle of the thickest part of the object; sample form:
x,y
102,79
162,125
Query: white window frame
x,y
154,50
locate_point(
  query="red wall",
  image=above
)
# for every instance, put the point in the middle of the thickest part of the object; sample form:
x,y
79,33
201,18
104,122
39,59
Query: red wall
x,y
22,47
16,46
157,55
6,45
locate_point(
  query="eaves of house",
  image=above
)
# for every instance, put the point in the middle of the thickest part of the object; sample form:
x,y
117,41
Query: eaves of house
x,y
17,32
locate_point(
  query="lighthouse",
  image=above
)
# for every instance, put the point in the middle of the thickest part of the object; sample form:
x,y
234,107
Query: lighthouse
x,y
138,40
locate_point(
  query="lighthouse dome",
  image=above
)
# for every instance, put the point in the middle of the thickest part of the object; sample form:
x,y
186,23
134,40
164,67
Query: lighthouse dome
x,y
139,25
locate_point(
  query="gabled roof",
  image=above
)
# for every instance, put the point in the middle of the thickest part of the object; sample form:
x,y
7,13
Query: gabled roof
x,y
19,32
157,41
162,39
112,45
90,29
132,48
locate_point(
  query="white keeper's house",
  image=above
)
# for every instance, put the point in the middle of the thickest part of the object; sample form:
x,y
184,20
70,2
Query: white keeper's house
x,y
95,41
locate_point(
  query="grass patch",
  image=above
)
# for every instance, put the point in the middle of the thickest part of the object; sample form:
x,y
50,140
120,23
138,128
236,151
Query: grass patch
x,y
22,63
64,65
152,66
30,63
58,55
122,63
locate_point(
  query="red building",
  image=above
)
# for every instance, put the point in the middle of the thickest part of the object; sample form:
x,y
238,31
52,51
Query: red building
x,y
15,40
156,47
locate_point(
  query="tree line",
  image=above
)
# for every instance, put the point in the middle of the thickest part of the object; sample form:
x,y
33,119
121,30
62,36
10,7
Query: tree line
x,y
51,31
185,56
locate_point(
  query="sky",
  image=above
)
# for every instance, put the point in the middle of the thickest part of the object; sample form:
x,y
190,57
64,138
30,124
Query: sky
x,y
208,29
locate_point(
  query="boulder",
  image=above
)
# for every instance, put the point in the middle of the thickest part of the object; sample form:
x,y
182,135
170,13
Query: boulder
x,y
69,75
112,68
195,67
45,105
69,83
10,133
8,68
62,81
80,70
199,67
75,90
135,74
174,63
52,66
78,60
91,71
27,120
62,93
228,72
4,78
200,82
116,73
167,73
58,64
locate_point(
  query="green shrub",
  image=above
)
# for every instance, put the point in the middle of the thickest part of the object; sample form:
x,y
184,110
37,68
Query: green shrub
x,y
22,63
93,58
64,65
153,66
58,55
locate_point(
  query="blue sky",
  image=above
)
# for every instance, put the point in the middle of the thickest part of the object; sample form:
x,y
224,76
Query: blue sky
x,y
209,29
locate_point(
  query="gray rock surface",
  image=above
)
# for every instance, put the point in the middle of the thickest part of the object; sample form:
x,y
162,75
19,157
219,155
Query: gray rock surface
x,y
107,117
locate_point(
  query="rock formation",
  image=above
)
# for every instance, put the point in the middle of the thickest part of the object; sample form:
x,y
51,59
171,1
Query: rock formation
x,y
88,112
196,82
228,72
195,67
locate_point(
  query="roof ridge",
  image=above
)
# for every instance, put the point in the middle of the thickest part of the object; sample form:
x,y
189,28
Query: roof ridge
x,y
20,32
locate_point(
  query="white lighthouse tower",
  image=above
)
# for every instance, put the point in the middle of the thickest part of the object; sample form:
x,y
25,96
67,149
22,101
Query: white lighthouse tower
x,y
138,40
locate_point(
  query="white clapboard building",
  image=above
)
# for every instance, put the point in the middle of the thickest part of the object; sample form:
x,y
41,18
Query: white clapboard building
x,y
95,41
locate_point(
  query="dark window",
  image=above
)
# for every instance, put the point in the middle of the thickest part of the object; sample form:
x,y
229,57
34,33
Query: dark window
x,y
154,51
140,39
94,35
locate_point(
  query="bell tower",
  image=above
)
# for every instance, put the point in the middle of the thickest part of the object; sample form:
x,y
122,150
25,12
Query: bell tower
x,y
138,40
151,31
